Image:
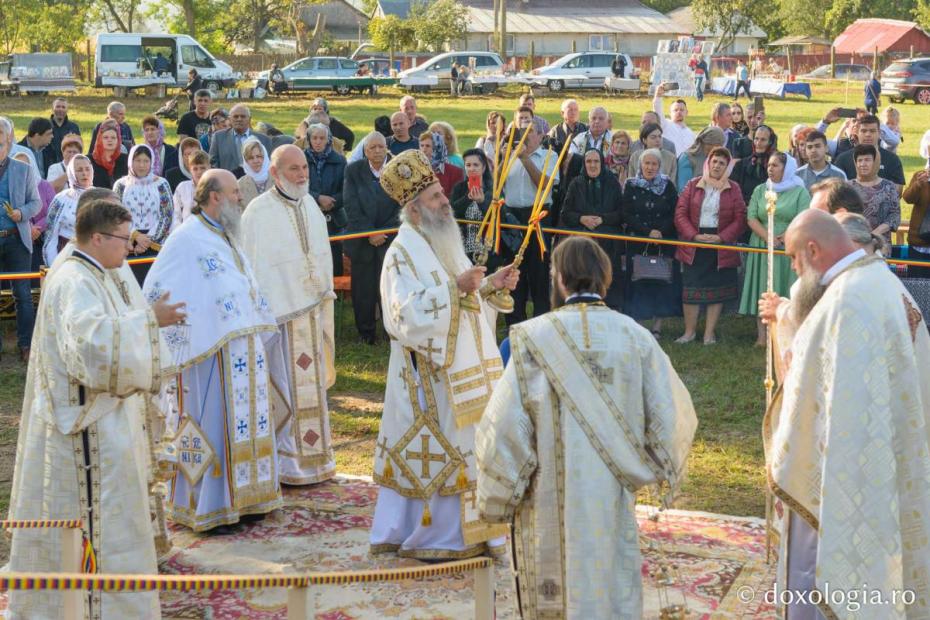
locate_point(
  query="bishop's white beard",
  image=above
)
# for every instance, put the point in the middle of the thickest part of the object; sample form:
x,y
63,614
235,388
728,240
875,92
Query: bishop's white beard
x,y
230,218
294,190
808,292
445,239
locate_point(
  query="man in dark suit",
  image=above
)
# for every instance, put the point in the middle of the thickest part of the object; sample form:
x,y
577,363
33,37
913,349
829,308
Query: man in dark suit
x,y
19,201
38,139
369,208
226,144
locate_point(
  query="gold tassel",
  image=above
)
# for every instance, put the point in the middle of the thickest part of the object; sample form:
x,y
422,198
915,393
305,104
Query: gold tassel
x,y
217,472
427,519
388,469
462,481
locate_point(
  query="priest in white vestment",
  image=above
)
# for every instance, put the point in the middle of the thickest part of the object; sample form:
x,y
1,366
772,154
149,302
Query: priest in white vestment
x,y
285,238
82,451
589,410
848,438
443,366
225,436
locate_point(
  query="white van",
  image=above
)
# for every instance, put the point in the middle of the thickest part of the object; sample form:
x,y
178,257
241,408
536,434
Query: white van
x,y
580,70
436,72
127,60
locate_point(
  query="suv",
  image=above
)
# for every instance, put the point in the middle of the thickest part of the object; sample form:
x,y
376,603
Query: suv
x,y
440,67
315,67
907,79
580,70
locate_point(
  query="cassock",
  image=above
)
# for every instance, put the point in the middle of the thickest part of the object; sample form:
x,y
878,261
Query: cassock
x,y
82,451
847,448
443,366
588,411
220,406
287,243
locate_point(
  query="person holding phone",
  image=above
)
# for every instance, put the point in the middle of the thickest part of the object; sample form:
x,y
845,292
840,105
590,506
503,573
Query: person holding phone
x,y
471,199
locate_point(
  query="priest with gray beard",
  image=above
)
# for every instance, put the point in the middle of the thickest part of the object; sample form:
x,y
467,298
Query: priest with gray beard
x,y
440,313
284,235
220,409
852,416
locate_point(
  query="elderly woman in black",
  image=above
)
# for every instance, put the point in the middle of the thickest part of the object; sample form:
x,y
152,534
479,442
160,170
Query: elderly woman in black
x,y
649,200
593,203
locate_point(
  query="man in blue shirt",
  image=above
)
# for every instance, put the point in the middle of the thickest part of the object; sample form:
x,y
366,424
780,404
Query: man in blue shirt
x,y
401,140
873,91
19,201
742,80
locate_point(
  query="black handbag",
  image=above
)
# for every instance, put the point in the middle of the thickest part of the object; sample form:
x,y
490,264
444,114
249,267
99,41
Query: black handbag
x,y
657,268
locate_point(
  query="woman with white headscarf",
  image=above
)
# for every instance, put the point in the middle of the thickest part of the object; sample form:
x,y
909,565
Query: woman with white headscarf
x,y
792,199
255,164
148,199
62,212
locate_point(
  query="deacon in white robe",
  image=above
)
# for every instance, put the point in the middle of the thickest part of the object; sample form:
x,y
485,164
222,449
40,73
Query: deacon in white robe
x,y
848,438
443,366
82,451
285,238
589,410
224,431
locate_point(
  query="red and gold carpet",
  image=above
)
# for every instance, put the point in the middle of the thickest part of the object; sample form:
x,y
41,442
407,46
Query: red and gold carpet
x,y
325,528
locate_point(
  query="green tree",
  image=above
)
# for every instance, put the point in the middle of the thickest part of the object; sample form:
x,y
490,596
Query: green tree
x,y
725,17
844,12
206,25
15,19
665,6
392,33
249,21
439,22
804,17
117,15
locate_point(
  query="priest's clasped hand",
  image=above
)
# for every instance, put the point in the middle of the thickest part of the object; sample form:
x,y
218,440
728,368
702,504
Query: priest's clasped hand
x,y
168,314
506,277
768,305
470,280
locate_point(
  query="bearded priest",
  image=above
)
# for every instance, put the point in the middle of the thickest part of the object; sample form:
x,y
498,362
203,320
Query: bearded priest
x,y
846,440
589,411
285,238
225,436
440,315
82,451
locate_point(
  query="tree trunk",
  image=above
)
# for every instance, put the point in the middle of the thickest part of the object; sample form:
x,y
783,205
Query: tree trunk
x,y
189,17
115,15
314,44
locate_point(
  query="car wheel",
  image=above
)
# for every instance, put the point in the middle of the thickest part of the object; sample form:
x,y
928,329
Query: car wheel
x,y
556,85
922,95
343,89
487,89
212,85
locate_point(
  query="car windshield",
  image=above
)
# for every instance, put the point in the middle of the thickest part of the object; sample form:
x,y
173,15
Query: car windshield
x,y
899,66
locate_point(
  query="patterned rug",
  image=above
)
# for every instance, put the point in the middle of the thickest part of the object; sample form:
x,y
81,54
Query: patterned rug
x,y
325,528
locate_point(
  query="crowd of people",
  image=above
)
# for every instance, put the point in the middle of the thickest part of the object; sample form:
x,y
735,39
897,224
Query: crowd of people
x,y
658,181
224,346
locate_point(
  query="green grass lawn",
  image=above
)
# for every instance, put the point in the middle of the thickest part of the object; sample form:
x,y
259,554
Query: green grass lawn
x,y
726,464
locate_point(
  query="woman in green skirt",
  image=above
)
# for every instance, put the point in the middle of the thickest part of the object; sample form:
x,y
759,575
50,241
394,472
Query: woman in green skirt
x,y
792,199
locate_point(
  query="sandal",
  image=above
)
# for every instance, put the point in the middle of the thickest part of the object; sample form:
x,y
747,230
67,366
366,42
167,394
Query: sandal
x,y
685,339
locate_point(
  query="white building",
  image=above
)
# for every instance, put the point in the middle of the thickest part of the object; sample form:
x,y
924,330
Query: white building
x,y
744,40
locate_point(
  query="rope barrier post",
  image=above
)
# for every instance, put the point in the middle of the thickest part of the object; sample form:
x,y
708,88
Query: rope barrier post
x,y
71,552
298,603
484,592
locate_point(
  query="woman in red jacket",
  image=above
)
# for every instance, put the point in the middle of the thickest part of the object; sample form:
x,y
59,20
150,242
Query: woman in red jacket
x,y
710,209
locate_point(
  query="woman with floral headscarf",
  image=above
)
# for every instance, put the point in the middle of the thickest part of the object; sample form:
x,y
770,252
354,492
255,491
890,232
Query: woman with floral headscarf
x,y
792,199
148,198
649,200
433,145
327,171
164,156
108,161
594,203
62,212
617,159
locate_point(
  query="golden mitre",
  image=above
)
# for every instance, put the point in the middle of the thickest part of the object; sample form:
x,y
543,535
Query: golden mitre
x,y
405,176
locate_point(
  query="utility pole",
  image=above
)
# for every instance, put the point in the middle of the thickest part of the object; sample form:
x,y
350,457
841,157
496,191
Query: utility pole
x,y
502,45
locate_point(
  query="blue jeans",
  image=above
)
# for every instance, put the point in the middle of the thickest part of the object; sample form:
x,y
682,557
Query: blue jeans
x,y
15,257
699,87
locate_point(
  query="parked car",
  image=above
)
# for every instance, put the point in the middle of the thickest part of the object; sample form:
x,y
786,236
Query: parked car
x,y
843,72
127,60
377,65
315,67
907,79
440,67
580,70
